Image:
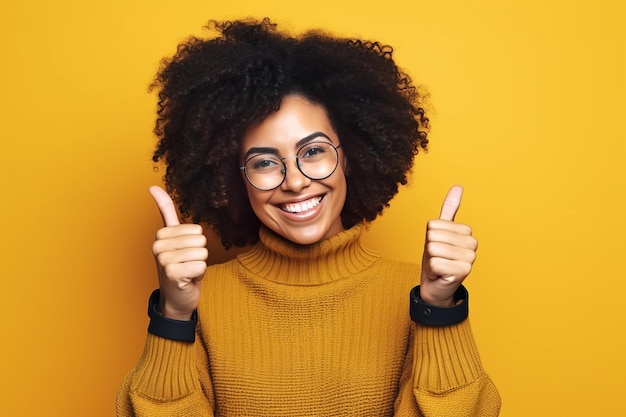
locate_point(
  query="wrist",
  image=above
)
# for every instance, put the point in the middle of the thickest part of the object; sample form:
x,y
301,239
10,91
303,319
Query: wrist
x,y
170,313
437,303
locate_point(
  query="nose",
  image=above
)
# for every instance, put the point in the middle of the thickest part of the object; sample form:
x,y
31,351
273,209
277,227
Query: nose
x,y
295,180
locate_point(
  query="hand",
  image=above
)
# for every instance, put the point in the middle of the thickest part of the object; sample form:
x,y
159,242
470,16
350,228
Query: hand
x,y
180,253
449,252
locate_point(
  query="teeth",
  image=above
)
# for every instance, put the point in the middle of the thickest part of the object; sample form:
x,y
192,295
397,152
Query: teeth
x,y
302,206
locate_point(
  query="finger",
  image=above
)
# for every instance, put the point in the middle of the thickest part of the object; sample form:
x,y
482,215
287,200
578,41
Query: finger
x,y
183,256
450,238
171,232
181,274
448,270
178,243
166,206
453,253
452,227
451,203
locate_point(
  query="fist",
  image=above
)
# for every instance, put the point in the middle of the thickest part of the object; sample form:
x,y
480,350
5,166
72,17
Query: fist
x,y
449,253
180,253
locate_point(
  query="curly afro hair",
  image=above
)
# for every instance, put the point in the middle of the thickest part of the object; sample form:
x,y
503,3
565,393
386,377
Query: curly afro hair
x,y
211,91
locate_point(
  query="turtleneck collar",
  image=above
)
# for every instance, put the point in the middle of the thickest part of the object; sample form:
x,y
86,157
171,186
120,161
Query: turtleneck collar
x,y
279,260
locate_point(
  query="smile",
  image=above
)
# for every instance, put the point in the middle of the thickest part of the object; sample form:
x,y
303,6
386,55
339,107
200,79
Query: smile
x,y
301,206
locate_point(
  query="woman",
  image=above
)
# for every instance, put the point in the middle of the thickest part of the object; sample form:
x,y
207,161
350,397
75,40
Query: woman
x,y
292,144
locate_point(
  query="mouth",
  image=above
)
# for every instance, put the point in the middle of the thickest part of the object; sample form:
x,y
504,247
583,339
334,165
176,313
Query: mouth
x,y
301,206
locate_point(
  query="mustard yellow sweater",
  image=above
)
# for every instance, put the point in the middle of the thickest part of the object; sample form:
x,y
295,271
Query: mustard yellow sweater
x,y
320,330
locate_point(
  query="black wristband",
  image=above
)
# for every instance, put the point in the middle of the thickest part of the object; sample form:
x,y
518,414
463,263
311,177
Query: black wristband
x,y
429,315
181,330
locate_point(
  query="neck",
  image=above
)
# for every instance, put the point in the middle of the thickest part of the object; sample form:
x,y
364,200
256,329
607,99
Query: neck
x,y
279,260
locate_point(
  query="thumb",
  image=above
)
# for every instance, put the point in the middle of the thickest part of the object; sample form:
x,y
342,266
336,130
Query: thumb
x,y
451,203
166,206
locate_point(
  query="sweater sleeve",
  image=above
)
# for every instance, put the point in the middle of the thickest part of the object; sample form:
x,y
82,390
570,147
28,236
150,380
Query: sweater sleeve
x,y
169,379
444,376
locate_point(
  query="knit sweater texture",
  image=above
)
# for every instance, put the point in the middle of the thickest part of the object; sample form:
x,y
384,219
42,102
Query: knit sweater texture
x,y
316,330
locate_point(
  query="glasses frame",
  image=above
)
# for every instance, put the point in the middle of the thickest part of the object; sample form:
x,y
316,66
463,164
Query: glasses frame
x,y
284,169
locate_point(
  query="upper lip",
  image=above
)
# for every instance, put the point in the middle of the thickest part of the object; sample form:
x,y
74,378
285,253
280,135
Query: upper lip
x,y
299,200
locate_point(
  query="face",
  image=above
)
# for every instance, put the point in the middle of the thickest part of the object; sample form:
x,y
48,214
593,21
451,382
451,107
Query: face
x,y
301,210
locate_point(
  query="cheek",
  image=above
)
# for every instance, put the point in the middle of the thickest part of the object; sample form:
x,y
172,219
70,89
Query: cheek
x,y
257,199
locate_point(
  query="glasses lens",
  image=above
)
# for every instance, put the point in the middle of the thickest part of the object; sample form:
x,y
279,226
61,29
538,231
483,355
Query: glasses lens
x,y
317,160
265,171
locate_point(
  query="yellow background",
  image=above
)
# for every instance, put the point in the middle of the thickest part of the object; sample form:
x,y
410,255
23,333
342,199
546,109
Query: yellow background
x,y
528,114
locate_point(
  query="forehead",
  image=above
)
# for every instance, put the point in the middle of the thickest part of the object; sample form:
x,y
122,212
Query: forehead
x,y
296,119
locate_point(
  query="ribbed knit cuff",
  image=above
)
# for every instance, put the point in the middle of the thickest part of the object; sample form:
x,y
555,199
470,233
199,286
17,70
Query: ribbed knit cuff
x,y
166,370
445,357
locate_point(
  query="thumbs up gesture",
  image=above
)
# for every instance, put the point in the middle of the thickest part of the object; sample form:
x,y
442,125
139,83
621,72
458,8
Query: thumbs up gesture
x,y
449,252
180,253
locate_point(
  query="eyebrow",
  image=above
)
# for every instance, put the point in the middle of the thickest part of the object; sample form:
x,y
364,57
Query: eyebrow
x,y
306,139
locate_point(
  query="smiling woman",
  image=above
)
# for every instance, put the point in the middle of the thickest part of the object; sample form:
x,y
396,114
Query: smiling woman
x,y
212,92
302,208
294,144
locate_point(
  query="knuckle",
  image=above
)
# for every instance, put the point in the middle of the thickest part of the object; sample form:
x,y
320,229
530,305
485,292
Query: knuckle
x,y
433,264
199,270
195,228
431,224
162,259
156,248
429,248
171,270
163,233
197,241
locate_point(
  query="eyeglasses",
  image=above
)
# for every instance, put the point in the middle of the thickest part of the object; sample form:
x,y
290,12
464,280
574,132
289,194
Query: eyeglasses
x,y
315,160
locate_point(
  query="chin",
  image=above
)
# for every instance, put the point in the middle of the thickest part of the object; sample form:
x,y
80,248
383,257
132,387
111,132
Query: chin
x,y
306,240
308,235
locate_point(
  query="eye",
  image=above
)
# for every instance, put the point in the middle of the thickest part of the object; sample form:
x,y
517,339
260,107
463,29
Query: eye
x,y
314,151
263,163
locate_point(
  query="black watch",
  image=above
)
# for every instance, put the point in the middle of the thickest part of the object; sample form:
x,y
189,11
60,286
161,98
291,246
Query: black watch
x,y
429,315
181,330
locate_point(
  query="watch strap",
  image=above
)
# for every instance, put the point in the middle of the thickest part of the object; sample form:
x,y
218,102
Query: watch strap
x,y
181,330
429,315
